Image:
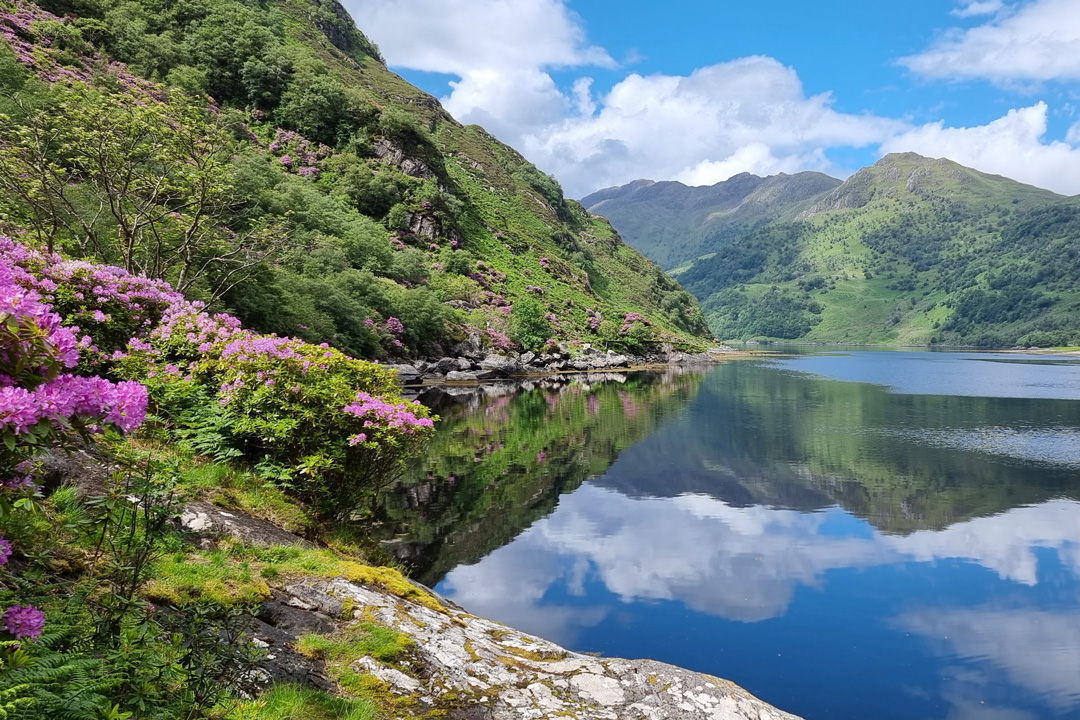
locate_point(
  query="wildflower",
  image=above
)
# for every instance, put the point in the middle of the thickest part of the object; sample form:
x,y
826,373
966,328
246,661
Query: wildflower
x,y
5,551
24,621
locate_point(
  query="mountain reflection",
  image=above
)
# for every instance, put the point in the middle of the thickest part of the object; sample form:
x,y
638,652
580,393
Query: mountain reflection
x,y
752,519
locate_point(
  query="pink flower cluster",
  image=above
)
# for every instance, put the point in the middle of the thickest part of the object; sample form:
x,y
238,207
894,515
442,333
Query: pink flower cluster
x,y
544,263
377,413
298,152
19,30
595,318
536,289
24,621
629,320
34,348
122,404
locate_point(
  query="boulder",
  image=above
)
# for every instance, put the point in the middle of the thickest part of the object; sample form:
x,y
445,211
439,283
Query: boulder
x,y
458,376
500,365
407,374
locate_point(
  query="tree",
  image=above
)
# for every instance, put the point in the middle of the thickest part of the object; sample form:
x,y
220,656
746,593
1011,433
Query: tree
x,y
128,178
529,327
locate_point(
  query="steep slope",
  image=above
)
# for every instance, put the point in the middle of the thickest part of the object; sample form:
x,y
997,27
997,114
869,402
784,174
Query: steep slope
x,y
403,231
673,223
910,250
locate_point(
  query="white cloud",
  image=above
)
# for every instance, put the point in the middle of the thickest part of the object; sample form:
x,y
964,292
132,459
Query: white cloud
x,y
1039,41
975,8
1037,649
751,114
1073,136
465,36
1012,146
746,115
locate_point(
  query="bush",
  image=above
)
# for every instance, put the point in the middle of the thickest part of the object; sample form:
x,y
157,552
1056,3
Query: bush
x,y
528,325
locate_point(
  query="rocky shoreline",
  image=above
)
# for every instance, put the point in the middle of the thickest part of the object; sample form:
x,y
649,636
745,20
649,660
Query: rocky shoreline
x,y
464,667
472,365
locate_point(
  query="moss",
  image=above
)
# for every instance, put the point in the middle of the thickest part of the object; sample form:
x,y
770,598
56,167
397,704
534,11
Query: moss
x,y
469,648
535,655
365,639
293,702
181,579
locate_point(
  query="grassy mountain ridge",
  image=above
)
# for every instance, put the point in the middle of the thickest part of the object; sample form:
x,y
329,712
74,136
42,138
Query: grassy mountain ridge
x,y
910,250
673,223
405,214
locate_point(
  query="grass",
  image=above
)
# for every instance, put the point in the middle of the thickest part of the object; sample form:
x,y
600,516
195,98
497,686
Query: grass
x,y
293,702
366,639
239,574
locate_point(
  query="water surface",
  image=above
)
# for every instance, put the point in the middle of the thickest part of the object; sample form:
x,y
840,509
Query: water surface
x,y
856,534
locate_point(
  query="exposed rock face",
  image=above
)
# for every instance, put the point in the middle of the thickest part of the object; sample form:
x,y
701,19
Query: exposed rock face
x,y
503,674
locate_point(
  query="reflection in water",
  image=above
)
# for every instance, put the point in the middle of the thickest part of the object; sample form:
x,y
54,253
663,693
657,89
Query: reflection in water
x,y
840,549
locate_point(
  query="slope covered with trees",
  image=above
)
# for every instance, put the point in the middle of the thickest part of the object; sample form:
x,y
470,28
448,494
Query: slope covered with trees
x,y
260,156
674,224
910,250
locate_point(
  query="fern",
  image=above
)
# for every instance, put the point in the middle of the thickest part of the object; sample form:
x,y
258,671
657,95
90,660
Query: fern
x,y
205,428
36,681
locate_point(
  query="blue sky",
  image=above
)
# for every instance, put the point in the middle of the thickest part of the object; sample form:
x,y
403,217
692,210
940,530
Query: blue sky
x,y
602,93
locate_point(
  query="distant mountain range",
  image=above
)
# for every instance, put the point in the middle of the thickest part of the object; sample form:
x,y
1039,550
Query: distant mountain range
x,y
910,250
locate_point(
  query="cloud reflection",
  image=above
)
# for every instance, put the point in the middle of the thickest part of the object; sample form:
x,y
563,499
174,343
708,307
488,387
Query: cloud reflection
x,y
739,563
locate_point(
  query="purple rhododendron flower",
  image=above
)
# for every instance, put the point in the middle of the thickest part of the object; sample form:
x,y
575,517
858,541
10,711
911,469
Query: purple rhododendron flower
x,y
5,550
24,621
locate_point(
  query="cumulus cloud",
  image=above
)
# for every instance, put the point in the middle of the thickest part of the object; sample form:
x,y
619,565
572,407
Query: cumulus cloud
x,y
1038,649
465,36
750,114
1012,146
1038,41
975,8
747,115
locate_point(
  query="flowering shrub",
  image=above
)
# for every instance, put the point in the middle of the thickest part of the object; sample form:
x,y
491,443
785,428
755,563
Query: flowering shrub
x,y
299,154
24,621
629,320
282,398
40,404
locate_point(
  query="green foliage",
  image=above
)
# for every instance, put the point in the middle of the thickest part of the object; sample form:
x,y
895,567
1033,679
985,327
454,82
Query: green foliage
x,y
529,326
954,257
293,702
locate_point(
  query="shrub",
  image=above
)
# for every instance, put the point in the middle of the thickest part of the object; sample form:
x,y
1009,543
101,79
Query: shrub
x,y
529,326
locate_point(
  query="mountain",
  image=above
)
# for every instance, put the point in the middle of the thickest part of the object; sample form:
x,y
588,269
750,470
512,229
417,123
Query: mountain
x,y
673,223
345,205
911,250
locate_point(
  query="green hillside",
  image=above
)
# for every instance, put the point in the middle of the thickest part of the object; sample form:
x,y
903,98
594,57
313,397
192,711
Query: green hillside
x,y
324,196
910,250
673,223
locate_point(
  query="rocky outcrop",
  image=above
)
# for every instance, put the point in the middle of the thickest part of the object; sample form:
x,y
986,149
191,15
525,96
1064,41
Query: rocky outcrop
x,y
481,669
473,365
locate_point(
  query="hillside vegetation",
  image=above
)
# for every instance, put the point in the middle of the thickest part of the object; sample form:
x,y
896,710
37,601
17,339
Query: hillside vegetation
x,y
911,250
261,157
674,224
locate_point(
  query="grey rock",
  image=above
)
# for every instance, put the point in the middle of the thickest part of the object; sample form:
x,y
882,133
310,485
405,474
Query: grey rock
x,y
465,657
500,365
407,374
206,518
460,376
443,366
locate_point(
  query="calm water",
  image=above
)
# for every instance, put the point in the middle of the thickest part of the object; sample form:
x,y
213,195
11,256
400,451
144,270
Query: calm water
x,y
860,534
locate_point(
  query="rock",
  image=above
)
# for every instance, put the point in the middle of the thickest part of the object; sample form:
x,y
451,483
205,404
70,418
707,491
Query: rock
x,y
458,376
206,518
443,366
511,675
527,358
407,374
465,364
500,365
